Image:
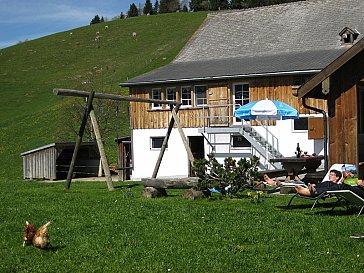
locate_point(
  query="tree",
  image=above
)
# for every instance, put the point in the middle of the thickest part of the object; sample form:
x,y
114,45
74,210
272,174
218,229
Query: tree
x,y
148,8
95,20
184,9
122,16
163,6
156,7
196,5
236,4
173,5
223,4
169,6
133,11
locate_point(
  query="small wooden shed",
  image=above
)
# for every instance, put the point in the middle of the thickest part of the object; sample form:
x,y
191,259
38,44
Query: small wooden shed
x,y
52,161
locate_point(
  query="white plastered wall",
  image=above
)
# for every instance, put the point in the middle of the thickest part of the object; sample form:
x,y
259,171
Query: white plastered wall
x,y
175,160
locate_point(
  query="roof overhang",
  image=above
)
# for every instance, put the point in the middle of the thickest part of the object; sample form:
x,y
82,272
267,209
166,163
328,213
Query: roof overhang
x,y
252,66
306,90
221,77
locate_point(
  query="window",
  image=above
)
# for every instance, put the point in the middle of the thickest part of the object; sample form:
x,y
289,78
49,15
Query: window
x,y
157,95
300,124
156,142
186,96
200,95
238,141
348,35
171,93
241,96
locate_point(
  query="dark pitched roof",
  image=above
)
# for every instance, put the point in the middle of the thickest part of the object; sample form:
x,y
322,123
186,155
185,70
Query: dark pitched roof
x,y
289,38
307,88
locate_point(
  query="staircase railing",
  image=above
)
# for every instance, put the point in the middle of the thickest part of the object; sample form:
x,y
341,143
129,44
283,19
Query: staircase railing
x,y
267,146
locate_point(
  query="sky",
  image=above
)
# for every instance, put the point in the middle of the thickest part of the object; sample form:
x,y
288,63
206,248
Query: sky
x,y
22,20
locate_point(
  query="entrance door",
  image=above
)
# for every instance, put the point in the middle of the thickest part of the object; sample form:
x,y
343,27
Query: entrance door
x,y
124,158
197,146
218,102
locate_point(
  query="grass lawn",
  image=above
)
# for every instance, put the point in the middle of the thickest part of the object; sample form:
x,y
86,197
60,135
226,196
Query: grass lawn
x,y
94,230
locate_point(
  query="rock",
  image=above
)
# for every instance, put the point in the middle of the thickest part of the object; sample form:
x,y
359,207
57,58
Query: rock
x,y
150,192
193,194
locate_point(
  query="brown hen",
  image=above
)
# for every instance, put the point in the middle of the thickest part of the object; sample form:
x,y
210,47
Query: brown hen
x,y
38,237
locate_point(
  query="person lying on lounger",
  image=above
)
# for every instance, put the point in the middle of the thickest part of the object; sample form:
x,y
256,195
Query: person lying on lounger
x,y
277,182
331,185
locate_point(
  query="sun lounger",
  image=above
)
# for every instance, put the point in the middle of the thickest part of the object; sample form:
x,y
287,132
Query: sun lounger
x,y
323,195
350,198
314,198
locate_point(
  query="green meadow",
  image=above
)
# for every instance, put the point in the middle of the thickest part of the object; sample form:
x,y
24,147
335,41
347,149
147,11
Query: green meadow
x,y
94,230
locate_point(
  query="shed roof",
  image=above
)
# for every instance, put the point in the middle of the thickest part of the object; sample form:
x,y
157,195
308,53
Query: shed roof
x,y
276,39
57,145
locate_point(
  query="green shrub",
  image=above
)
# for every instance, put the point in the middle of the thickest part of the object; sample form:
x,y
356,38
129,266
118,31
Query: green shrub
x,y
239,176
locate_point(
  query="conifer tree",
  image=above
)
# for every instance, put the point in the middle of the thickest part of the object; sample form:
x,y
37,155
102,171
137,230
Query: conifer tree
x,y
156,7
95,20
163,6
133,11
148,8
196,5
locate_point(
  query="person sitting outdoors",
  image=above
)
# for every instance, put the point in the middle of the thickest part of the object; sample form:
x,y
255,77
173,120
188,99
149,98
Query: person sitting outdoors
x,y
331,185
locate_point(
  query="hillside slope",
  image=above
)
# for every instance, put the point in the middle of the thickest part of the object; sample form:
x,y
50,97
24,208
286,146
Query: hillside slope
x,y
31,116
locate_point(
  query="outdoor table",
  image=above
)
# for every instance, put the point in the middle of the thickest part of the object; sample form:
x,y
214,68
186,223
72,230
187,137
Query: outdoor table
x,y
297,165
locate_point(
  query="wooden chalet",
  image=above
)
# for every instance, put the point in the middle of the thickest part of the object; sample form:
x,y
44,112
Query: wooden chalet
x,y
341,84
234,58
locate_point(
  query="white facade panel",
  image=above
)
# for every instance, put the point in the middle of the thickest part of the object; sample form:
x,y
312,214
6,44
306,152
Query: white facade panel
x,y
175,160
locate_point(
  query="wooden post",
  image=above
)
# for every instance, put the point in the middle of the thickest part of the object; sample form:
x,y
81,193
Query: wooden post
x,y
183,137
79,139
105,164
164,144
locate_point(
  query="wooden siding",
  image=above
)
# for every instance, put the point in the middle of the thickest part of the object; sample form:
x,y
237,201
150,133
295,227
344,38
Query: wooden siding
x,y
40,165
52,161
343,128
218,93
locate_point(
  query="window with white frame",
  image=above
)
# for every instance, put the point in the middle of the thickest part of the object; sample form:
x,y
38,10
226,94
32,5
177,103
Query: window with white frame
x,y
157,95
186,96
200,95
156,142
171,93
240,96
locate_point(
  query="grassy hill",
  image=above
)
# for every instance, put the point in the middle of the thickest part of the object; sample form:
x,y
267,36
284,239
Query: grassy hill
x,y
31,116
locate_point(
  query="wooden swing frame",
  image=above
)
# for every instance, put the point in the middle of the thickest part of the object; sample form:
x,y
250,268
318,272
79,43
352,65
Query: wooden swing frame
x,y
89,112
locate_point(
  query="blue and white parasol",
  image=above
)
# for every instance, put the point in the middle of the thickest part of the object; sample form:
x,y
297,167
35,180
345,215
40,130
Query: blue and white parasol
x,y
266,110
